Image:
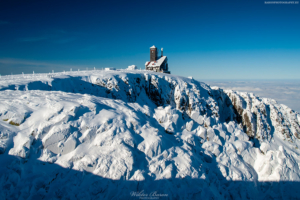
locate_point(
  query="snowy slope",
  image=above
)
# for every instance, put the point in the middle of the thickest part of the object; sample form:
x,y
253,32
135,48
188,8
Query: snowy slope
x,y
121,134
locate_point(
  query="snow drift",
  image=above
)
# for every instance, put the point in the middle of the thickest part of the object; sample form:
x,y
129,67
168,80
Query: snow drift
x,y
121,134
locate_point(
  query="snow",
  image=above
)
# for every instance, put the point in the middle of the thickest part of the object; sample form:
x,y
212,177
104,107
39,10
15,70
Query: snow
x,y
109,68
156,63
106,134
153,47
132,67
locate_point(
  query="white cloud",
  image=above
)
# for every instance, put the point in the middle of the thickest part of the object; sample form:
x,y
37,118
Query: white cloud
x,y
243,88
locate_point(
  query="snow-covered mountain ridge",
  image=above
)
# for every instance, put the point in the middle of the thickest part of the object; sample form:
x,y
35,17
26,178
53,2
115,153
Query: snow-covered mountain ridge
x,y
106,134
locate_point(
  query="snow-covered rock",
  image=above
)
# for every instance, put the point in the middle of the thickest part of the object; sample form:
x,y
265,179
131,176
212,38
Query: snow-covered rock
x,y
116,134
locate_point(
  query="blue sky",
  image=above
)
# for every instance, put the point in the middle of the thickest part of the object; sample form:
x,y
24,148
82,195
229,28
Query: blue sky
x,y
238,39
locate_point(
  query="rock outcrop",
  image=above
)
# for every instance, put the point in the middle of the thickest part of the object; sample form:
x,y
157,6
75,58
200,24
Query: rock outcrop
x,y
119,134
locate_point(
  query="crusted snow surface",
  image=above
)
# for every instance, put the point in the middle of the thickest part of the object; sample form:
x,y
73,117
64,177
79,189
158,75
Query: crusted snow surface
x,y
127,134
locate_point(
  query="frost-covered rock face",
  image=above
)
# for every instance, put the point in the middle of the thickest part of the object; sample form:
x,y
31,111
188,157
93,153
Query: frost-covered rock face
x,y
119,134
260,118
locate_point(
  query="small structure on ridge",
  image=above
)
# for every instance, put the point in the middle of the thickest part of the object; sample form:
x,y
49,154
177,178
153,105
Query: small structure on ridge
x,y
157,63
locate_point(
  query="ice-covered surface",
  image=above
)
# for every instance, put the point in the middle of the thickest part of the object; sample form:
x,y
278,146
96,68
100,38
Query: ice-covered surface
x,y
121,134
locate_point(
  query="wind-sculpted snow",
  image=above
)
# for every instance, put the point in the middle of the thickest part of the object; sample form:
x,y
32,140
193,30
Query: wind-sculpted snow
x,y
127,134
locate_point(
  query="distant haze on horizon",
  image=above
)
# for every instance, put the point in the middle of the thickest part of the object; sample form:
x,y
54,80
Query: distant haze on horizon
x,y
285,92
205,39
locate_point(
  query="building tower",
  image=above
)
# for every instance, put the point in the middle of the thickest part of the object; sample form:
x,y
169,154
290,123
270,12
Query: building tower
x,y
157,63
153,53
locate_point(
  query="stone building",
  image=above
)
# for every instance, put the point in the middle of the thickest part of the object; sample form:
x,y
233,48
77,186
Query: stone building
x,y
157,63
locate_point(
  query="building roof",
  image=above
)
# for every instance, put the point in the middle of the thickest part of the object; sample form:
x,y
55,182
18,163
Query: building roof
x,y
153,47
156,63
